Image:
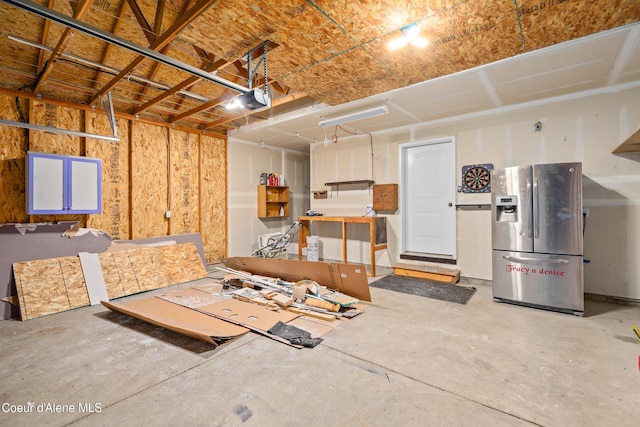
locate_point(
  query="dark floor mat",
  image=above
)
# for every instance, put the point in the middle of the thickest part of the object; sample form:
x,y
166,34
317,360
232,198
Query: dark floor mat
x,y
425,288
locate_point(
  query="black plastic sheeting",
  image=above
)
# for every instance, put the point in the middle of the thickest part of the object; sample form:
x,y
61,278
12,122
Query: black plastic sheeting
x,y
294,335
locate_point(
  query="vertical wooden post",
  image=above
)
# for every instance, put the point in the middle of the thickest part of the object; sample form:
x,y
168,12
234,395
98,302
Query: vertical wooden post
x,y
131,216
200,183
169,135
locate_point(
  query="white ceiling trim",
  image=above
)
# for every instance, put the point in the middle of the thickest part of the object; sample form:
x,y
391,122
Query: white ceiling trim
x,y
629,46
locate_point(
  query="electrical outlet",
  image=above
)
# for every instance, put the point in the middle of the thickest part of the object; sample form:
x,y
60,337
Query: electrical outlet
x,y
585,213
167,214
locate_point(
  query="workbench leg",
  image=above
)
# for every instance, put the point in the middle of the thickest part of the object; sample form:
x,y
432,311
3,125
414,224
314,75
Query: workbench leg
x,y
302,237
372,245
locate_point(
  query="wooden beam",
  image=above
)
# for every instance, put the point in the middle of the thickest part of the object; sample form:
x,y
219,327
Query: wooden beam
x,y
142,21
199,109
157,27
164,39
79,13
151,75
157,24
182,85
34,97
43,39
107,49
439,274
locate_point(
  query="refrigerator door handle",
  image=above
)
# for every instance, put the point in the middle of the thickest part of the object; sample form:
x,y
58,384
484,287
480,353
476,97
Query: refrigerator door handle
x,y
536,211
525,260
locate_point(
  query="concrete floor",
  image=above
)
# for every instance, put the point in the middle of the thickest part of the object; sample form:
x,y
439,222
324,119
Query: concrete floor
x,y
407,361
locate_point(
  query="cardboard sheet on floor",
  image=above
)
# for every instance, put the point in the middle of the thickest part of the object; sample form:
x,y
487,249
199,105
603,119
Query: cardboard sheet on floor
x,y
191,297
212,286
49,286
253,316
315,327
350,279
179,319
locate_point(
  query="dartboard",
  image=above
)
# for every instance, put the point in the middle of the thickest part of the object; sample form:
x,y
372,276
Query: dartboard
x,y
476,178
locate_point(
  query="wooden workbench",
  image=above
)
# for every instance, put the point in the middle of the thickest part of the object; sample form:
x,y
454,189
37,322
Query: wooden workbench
x,y
377,233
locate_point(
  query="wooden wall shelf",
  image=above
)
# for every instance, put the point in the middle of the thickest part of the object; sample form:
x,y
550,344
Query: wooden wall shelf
x,y
270,199
361,181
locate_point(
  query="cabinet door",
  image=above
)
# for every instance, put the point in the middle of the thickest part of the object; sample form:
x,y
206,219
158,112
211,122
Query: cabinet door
x,y
84,186
46,184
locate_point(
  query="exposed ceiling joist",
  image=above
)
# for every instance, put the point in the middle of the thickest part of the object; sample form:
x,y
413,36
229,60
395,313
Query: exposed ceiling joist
x,y
145,53
79,13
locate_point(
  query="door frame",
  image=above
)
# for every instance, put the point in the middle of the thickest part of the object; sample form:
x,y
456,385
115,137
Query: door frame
x,y
402,196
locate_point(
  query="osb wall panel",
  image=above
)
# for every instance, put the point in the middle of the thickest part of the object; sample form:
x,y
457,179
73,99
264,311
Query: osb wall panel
x,y
13,148
214,198
114,219
149,180
185,212
50,286
60,117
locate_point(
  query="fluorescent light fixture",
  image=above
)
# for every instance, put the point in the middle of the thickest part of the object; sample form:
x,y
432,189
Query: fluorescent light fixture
x,y
352,117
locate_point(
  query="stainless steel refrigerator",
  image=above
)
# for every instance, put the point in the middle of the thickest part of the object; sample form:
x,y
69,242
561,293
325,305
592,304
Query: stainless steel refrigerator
x,y
537,236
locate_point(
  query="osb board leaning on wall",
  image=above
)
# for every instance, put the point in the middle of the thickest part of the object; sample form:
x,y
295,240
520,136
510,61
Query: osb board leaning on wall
x,y
114,219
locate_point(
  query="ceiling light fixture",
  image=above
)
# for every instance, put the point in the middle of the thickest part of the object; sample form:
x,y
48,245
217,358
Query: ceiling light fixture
x,y
410,34
352,117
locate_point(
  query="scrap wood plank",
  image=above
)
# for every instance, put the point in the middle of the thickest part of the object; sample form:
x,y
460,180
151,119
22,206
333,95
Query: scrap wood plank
x,y
314,314
436,273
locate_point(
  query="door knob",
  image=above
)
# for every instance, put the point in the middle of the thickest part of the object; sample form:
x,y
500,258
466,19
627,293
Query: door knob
x,y
450,204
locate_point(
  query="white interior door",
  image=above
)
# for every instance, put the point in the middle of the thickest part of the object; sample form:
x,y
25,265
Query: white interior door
x,y
428,198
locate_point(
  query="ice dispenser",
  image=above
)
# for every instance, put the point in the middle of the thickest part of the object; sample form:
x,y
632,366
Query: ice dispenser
x,y
506,208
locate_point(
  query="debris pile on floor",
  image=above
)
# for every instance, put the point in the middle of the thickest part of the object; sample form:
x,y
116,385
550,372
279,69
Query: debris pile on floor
x,y
295,312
